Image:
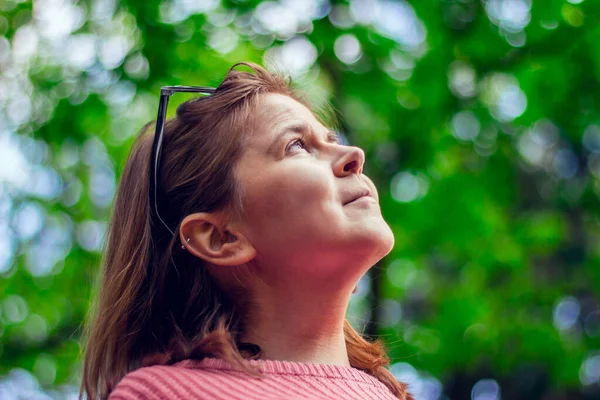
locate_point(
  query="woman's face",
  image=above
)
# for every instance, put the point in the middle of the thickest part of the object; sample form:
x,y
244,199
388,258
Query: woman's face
x,y
294,197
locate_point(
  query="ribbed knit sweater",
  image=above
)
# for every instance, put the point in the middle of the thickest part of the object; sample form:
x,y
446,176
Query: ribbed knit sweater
x,y
217,379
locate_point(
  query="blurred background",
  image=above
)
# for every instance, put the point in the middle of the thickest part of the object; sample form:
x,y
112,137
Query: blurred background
x,y
481,125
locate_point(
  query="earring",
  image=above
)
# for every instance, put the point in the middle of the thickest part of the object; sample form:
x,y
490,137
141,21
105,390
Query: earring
x,y
187,241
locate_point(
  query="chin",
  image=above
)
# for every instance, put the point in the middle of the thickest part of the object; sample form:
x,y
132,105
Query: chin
x,y
379,240
387,241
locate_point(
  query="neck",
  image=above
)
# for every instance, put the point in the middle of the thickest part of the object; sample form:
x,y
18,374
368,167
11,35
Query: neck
x,y
289,327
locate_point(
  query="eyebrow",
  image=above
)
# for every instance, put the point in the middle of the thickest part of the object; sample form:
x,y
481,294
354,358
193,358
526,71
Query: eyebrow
x,y
332,136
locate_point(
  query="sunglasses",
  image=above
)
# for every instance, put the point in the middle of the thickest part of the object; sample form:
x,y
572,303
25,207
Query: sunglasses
x,y
165,94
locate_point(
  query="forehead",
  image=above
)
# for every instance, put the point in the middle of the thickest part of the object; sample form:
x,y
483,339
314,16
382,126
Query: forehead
x,y
276,110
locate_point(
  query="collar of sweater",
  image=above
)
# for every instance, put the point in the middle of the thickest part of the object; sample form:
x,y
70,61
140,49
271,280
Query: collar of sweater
x,y
279,367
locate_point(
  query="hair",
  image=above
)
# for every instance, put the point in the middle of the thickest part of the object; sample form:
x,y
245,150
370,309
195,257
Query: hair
x,y
154,304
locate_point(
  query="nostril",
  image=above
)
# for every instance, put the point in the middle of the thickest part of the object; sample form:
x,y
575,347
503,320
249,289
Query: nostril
x,y
350,166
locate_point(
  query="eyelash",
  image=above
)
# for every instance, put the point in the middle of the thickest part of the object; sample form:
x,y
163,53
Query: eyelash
x,y
303,143
293,142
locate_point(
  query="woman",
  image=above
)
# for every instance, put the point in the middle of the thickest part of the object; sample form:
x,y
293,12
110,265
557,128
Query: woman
x,y
269,224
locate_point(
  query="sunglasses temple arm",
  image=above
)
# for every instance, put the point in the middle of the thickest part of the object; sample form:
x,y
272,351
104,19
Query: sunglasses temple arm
x,y
156,149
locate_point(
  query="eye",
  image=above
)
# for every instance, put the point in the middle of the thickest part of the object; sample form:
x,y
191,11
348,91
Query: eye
x,y
297,142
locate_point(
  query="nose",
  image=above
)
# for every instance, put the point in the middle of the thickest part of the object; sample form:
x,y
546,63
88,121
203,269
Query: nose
x,y
351,162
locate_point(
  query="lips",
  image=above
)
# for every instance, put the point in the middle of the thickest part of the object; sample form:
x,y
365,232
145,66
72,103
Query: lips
x,y
359,195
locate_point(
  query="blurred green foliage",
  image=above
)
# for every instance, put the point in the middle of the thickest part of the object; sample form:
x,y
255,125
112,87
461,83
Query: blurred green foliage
x,y
481,125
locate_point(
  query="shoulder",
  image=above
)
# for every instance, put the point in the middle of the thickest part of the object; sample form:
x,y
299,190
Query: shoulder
x,y
163,382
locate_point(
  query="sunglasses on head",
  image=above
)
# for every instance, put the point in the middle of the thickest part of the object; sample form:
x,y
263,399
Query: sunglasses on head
x,y
165,94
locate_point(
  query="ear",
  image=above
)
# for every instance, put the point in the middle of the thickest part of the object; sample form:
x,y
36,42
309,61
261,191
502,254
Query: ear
x,y
211,239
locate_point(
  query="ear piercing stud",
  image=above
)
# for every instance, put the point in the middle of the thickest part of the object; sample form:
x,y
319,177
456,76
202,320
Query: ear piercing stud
x,y
187,241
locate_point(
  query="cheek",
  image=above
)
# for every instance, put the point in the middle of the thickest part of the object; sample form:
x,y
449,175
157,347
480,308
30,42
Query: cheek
x,y
284,202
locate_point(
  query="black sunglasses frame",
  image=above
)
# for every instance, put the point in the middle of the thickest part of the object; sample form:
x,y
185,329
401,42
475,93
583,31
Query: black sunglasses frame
x,y
165,94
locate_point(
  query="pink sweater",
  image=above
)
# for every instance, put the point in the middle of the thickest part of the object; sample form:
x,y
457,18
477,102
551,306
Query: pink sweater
x,y
216,379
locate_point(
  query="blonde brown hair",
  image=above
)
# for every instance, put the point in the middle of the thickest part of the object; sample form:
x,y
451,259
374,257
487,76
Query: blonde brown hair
x,y
157,305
